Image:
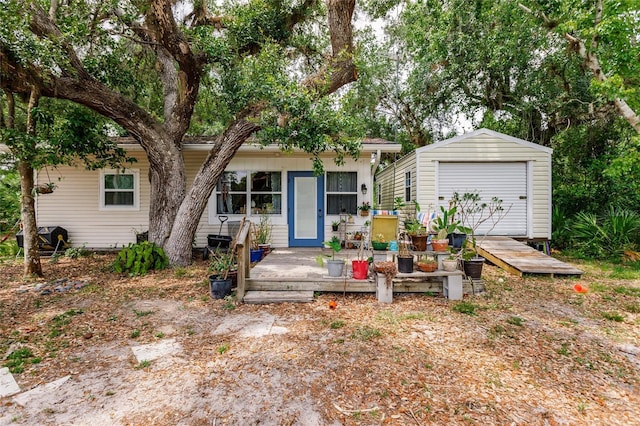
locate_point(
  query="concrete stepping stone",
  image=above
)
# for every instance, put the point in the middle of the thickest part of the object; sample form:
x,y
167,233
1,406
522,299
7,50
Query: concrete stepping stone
x,y
8,385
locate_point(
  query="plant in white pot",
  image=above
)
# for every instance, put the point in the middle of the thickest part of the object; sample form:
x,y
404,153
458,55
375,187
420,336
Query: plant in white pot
x,y
335,266
473,212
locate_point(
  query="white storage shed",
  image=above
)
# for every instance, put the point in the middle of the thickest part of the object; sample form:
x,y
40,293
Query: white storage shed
x,y
493,164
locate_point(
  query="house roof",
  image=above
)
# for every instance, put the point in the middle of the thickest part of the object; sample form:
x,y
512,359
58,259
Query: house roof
x,y
203,143
487,132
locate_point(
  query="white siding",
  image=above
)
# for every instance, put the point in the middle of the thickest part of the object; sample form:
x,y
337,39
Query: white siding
x,y
74,205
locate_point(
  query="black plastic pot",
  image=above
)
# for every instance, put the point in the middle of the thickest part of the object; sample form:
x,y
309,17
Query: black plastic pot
x,y
457,240
473,267
405,264
218,287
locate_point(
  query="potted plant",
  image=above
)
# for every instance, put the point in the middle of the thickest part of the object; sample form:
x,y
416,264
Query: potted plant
x,y
405,258
335,266
221,265
262,234
416,230
364,208
445,225
473,212
360,265
45,188
450,263
334,225
427,263
379,243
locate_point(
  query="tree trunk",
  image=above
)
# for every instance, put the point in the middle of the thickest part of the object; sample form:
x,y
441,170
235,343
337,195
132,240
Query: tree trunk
x,y
32,265
178,247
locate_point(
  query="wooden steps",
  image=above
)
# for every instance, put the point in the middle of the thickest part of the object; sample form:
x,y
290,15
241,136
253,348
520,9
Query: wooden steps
x,y
263,297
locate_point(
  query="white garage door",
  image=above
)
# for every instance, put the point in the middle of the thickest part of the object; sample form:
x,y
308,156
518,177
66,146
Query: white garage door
x,y
507,181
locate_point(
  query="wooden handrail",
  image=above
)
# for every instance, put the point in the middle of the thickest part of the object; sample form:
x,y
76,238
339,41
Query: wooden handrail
x,y
243,246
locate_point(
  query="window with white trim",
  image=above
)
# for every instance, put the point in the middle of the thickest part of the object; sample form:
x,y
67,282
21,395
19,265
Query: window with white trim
x,y
119,189
342,192
262,189
407,186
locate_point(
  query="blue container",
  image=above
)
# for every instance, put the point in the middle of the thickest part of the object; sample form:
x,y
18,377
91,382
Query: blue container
x,y
393,246
256,255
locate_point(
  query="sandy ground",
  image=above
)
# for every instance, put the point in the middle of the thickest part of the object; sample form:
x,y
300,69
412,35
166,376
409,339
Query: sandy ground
x,y
158,350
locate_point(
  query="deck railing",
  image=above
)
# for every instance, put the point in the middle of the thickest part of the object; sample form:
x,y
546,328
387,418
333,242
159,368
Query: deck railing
x,y
242,247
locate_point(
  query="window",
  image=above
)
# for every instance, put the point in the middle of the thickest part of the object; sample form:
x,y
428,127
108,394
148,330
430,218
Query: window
x,y
342,192
263,189
407,186
119,189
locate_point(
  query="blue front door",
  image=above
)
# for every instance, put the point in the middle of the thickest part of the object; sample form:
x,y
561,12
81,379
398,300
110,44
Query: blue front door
x,y
305,209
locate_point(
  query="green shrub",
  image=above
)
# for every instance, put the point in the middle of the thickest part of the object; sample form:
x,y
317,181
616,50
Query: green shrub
x,y
606,236
9,248
138,259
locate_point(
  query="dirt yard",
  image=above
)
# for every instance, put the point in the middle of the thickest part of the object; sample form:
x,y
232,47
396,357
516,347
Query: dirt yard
x,y
530,351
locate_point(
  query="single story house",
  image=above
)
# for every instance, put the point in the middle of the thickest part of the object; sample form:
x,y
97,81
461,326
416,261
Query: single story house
x,y
493,164
106,209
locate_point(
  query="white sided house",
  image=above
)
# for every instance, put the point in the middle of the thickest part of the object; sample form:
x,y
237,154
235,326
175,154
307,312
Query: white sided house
x,y
493,164
106,209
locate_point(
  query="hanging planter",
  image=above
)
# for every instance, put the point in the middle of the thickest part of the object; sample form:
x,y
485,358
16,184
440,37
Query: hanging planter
x,y
45,188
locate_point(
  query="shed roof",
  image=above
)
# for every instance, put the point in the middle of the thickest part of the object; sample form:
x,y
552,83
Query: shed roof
x,y
487,132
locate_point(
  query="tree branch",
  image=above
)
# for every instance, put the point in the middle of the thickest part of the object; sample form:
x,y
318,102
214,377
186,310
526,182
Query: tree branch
x,y
593,64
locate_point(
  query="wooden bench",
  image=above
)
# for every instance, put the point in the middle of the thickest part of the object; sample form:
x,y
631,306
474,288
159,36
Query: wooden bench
x,y
451,283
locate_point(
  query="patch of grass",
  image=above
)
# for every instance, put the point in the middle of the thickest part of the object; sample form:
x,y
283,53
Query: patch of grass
x,y
336,324
393,318
222,348
59,322
624,273
159,334
613,316
229,303
514,320
143,364
140,314
112,318
564,349
365,333
18,359
109,393
627,291
134,334
180,272
465,307
632,308
598,288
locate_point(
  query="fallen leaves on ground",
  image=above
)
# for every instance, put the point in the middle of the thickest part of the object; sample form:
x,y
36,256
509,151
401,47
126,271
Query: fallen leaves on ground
x,y
527,351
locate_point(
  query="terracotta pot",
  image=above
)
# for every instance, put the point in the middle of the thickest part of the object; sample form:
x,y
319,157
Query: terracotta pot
x,y
427,266
439,245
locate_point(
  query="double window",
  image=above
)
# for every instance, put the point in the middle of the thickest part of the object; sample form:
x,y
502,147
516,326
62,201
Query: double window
x,y
119,189
244,192
342,193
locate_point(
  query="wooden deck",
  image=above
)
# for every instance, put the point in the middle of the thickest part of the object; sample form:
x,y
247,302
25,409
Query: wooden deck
x,y
295,271
520,259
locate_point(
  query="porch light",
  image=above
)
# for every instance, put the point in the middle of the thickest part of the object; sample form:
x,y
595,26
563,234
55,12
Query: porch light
x,y
363,189
373,158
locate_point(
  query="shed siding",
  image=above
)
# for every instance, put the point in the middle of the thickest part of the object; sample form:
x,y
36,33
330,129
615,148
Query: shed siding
x,y
74,205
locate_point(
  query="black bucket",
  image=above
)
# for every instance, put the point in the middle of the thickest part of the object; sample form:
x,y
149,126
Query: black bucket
x,y
473,268
219,288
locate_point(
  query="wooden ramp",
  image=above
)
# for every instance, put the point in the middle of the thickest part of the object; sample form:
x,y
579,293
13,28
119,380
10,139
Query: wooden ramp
x,y
520,259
